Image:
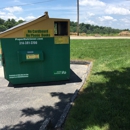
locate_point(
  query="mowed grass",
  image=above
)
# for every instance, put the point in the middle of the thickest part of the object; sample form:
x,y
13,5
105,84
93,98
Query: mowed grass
x,y
104,102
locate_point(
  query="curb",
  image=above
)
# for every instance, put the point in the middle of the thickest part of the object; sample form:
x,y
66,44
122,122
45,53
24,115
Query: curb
x,y
79,62
68,106
46,124
62,118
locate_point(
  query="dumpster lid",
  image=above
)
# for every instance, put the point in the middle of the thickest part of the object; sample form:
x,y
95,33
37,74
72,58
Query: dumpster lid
x,y
24,23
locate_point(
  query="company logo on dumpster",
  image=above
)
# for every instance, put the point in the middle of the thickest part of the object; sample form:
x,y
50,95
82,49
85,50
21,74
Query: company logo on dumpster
x,y
38,33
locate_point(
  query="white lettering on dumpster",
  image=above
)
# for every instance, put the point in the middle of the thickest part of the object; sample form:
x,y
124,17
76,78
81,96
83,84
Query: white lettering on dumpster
x,y
28,39
27,42
13,76
60,72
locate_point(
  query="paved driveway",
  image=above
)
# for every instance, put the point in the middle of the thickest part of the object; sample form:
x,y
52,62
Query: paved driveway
x,y
25,107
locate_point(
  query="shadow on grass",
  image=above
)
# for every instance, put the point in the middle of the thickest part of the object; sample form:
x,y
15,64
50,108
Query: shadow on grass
x,y
103,106
43,112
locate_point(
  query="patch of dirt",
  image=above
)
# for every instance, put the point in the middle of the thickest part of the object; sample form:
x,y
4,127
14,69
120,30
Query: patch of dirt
x,y
124,33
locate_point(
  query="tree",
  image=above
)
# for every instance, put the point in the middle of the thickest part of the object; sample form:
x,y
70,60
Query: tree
x,y
10,23
93,29
2,21
20,21
2,28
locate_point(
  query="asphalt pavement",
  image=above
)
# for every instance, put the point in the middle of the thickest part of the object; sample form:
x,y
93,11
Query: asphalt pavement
x,y
25,107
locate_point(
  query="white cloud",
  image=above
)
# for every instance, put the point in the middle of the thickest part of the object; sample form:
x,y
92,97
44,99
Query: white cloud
x,y
125,20
90,22
106,18
6,16
9,14
16,1
20,18
117,10
90,14
14,9
91,3
2,13
28,18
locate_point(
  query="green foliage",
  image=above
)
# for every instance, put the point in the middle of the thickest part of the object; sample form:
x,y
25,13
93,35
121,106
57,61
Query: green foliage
x,y
8,24
83,28
73,26
2,28
20,21
2,21
94,29
104,102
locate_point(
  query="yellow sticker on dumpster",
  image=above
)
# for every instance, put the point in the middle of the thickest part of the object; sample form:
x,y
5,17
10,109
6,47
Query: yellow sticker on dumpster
x,y
32,56
62,40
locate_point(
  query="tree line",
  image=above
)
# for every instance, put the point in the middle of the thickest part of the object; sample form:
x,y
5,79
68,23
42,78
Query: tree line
x,y
83,28
93,29
6,24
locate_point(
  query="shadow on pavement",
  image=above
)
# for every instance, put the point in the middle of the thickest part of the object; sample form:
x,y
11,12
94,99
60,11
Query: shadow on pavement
x,y
24,126
43,112
53,112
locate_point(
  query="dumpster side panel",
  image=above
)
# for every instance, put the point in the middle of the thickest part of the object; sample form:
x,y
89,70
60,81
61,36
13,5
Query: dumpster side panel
x,y
61,61
42,60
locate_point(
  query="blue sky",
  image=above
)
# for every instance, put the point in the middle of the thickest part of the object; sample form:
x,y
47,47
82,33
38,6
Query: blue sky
x,y
110,13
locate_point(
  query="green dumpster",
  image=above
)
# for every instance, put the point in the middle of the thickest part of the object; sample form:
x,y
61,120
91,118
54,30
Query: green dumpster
x,y
33,53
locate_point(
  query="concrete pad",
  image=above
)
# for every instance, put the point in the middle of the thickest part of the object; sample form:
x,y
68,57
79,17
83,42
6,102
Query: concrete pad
x,y
25,107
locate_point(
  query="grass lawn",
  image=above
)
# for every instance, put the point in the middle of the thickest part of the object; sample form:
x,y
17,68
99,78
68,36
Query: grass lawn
x,y
104,103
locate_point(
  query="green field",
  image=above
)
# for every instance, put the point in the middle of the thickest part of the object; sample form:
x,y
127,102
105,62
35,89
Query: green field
x,y
104,102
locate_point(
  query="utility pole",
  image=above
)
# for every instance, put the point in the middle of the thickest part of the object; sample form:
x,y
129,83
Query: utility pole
x,y
77,17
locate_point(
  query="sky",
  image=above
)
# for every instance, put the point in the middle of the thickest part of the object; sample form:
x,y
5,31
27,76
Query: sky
x,y
109,13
